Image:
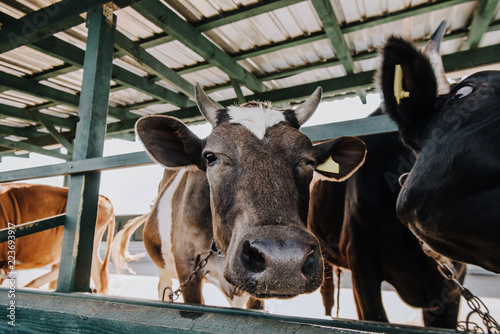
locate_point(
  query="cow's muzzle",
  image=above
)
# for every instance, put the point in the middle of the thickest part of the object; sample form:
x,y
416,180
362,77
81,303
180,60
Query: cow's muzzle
x,y
275,262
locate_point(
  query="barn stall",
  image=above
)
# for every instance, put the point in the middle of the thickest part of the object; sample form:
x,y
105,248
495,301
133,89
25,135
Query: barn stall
x,y
75,73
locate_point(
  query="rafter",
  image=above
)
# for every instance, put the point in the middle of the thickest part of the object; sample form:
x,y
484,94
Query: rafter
x,y
424,8
30,115
484,13
181,30
45,121
332,29
45,22
260,8
20,145
74,56
136,52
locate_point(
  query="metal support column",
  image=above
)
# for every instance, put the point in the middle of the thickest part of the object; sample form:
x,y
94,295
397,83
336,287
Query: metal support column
x,y
81,211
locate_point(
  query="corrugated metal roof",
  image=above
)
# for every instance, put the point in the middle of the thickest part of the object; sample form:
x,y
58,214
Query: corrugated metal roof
x,y
281,43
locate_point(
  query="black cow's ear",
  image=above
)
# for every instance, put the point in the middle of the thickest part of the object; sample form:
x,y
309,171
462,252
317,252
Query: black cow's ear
x,y
339,158
169,141
408,84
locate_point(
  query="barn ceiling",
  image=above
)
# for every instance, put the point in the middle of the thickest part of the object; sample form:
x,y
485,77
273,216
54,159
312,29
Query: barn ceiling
x,y
274,50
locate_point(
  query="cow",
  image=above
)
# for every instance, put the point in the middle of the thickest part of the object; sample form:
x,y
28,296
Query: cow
x,y
245,190
21,203
359,230
450,197
357,224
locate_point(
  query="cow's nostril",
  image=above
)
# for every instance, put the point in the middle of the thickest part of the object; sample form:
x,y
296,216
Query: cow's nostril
x,y
252,258
309,266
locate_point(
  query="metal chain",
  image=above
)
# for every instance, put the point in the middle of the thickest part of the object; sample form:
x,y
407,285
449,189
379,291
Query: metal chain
x,y
174,295
475,304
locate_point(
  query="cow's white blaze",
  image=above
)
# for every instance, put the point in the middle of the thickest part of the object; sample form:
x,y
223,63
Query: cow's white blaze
x,y
165,223
256,119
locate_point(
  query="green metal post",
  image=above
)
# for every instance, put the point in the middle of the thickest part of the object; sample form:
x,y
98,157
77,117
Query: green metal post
x,y
81,211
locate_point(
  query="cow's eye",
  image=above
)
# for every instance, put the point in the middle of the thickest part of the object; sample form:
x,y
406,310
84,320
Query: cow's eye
x,y
307,162
211,158
463,92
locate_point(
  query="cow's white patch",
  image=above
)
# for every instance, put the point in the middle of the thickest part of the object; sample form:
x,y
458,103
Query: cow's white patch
x,y
164,219
256,119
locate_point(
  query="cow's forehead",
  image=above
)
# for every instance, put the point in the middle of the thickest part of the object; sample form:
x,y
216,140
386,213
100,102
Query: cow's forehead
x,y
238,138
483,76
256,119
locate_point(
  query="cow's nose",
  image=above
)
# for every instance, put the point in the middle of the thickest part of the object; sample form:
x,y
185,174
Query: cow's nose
x,y
280,265
257,255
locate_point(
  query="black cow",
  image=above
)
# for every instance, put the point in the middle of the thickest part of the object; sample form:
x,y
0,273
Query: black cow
x,y
360,231
451,197
357,223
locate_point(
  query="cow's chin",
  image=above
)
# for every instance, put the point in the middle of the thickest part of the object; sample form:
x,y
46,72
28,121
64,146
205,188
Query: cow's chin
x,y
274,262
261,289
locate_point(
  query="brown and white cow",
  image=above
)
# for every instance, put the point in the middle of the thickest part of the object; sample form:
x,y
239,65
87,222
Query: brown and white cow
x,y
21,203
246,186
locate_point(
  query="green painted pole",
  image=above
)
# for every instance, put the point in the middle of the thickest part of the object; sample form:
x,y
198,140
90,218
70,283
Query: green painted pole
x,y
81,211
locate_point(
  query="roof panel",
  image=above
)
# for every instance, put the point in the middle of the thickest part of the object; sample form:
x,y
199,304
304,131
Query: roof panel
x,y
293,48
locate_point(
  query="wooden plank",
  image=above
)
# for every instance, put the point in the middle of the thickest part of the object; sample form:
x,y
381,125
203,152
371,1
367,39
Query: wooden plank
x,y
83,196
43,312
33,227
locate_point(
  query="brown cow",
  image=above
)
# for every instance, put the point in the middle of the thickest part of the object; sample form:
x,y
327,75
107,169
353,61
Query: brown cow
x,y
21,203
246,186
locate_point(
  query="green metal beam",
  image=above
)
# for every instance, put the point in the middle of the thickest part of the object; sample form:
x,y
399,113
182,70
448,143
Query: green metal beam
x,y
471,58
33,227
358,127
83,195
21,145
261,8
157,39
135,51
170,22
56,134
26,132
79,166
30,115
239,94
332,29
262,50
74,56
218,21
149,87
424,8
484,14
39,139
44,23
36,89
49,312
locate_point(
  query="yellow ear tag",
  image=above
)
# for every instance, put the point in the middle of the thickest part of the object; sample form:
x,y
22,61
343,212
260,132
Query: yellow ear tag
x,y
399,93
329,166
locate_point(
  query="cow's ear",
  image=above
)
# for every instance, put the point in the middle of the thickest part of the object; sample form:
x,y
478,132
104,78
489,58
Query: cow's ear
x,y
408,84
339,158
169,141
